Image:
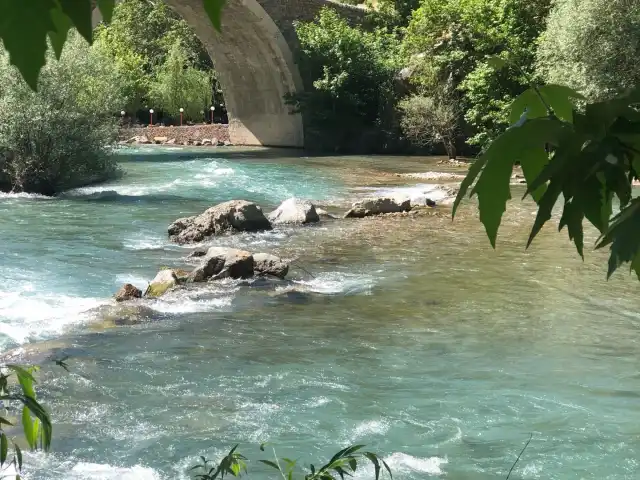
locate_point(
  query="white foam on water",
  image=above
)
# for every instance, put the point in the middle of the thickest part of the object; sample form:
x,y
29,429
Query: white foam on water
x,y
26,316
145,242
414,193
23,195
370,427
99,471
197,301
403,463
336,282
135,280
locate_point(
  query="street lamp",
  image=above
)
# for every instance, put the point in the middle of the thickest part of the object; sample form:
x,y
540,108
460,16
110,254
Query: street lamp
x,y
181,112
212,110
151,117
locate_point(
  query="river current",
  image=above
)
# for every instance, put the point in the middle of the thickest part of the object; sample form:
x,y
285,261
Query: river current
x,y
409,335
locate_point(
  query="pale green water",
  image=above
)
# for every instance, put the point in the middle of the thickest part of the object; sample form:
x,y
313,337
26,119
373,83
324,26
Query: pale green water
x,y
415,337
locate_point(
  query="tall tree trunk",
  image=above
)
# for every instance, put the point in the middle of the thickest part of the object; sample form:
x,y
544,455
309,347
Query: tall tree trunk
x,y
450,147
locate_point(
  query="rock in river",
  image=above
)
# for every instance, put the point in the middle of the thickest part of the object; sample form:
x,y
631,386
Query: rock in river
x,y
223,262
164,281
128,292
378,206
234,215
294,210
267,264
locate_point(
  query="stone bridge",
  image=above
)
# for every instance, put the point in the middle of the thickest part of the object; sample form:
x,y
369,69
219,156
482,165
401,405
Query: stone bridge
x,y
255,58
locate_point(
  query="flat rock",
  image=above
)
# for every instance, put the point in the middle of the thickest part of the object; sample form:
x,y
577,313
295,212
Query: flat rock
x,y
323,214
235,215
223,262
160,139
267,264
128,292
378,206
294,210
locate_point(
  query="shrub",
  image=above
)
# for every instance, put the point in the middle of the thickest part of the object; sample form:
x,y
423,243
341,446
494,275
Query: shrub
x,y
59,137
430,120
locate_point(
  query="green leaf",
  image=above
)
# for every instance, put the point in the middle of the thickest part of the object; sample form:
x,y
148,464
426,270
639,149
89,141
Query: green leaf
x,y
473,172
27,427
19,455
572,216
80,13
23,30
271,464
623,234
58,36
545,206
25,379
353,464
497,63
214,11
528,101
106,9
4,448
533,162
373,458
559,99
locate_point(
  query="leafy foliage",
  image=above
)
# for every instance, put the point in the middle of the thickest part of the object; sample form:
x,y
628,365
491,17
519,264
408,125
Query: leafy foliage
x,y
59,137
588,156
38,431
350,72
592,46
450,41
25,26
343,463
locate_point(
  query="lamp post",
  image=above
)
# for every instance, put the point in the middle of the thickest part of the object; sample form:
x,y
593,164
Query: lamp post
x,y
212,110
122,114
151,117
181,112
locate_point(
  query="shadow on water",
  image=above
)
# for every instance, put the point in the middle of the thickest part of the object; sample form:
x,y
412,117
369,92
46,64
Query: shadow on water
x,y
180,154
112,196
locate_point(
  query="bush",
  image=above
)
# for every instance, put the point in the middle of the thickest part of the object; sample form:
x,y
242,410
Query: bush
x,y
59,137
430,120
179,85
349,76
592,46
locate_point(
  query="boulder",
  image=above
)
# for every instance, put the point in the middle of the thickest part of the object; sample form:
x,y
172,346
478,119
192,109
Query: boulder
x,y
206,141
223,262
171,141
378,206
227,143
294,210
267,264
165,280
142,139
128,292
131,140
234,215
197,143
160,139
185,142
215,142
199,253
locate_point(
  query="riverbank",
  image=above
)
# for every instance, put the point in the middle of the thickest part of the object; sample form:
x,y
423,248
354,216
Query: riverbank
x,y
207,134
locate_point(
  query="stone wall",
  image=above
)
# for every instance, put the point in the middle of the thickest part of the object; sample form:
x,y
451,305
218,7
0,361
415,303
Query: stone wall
x,y
181,134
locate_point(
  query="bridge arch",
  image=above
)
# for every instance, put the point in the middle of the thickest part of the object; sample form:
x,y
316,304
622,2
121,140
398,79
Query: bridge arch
x,y
255,61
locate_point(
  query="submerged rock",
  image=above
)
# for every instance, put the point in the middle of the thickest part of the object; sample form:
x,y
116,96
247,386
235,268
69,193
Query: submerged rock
x,y
223,262
294,210
234,215
323,214
198,253
267,264
378,206
124,314
164,281
128,292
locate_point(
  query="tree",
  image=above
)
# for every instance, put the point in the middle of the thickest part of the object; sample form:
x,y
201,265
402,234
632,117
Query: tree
x,y
592,46
350,72
428,120
179,85
451,40
59,137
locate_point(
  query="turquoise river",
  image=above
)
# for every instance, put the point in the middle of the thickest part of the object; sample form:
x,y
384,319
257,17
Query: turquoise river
x,y
409,335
